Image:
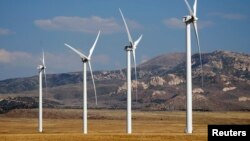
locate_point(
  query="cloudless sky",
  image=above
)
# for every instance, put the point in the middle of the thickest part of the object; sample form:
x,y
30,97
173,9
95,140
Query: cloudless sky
x,y
29,26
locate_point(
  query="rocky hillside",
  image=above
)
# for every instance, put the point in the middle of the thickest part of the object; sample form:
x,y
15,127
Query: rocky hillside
x,y
161,84
24,103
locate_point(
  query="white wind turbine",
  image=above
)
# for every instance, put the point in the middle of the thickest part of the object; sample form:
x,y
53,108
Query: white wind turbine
x,y
41,69
188,20
130,48
86,59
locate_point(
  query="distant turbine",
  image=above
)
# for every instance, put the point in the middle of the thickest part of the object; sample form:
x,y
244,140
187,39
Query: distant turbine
x,y
190,19
86,59
41,69
130,48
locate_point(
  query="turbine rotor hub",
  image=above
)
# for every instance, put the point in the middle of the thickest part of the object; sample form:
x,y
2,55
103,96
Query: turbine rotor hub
x,y
195,18
128,48
40,67
84,60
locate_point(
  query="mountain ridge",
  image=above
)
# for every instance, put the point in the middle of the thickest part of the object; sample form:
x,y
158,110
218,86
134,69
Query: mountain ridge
x,y
161,85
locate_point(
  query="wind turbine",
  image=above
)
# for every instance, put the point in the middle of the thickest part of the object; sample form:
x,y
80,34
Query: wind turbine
x,y
130,48
188,20
86,59
41,69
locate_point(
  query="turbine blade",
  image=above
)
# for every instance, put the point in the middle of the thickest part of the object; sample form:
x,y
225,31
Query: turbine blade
x,y
198,43
90,68
134,58
189,8
126,26
93,47
76,51
43,60
196,33
44,73
45,77
137,41
195,7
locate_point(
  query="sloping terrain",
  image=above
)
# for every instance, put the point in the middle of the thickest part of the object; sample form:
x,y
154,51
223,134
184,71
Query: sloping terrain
x,y
161,84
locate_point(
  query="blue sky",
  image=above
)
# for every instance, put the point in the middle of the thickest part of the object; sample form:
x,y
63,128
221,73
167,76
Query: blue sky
x,y
28,26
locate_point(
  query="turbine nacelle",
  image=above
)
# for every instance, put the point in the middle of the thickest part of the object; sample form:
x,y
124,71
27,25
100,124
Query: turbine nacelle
x,y
84,60
41,67
189,19
133,45
128,48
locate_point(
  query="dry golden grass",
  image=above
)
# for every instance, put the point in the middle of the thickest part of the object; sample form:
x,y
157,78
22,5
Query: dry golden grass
x,y
109,125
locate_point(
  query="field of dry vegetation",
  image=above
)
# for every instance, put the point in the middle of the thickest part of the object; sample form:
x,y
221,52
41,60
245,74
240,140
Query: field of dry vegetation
x,y
110,125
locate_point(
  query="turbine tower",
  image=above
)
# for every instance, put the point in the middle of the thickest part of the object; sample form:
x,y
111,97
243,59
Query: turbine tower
x,y
86,59
188,20
130,48
41,70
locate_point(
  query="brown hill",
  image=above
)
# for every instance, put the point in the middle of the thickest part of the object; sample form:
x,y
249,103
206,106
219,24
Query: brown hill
x,y
161,84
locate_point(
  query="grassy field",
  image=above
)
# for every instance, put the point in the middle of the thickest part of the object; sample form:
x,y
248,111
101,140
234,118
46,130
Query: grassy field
x,y
109,125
